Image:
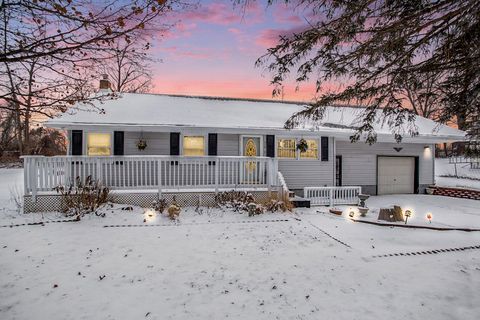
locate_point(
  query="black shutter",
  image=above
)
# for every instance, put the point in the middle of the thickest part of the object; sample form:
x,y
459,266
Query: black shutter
x,y
212,144
271,146
174,143
77,142
118,143
324,148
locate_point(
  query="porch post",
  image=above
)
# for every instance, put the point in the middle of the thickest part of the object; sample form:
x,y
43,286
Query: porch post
x,y
33,177
159,173
217,170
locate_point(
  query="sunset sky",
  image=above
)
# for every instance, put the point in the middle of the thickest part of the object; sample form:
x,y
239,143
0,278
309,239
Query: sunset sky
x,y
212,51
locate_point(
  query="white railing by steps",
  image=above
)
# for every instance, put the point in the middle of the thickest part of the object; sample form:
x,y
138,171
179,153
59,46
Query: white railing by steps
x,y
330,196
284,192
150,172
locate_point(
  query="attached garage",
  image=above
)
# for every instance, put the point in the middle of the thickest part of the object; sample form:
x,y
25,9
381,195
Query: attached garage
x,y
396,175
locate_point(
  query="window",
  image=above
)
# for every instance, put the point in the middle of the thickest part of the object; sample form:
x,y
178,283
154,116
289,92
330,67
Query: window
x,y
312,151
99,144
286,148
193,146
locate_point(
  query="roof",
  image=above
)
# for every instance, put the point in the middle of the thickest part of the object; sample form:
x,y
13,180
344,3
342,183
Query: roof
x,y
156,111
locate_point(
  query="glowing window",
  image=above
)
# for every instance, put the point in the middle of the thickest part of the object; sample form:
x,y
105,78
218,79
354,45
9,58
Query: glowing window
x,y
99,144
286,148
312,151
193,146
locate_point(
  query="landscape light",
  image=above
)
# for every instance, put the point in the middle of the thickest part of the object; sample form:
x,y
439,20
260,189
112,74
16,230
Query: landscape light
x,y
150,215
429,217
352,214
408,214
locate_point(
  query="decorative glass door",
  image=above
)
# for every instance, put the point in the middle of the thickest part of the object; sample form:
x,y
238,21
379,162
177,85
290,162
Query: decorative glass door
x,y
250,172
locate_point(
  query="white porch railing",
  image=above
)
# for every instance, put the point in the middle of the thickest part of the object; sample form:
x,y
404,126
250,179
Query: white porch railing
x,y
329,196
150,172
284,192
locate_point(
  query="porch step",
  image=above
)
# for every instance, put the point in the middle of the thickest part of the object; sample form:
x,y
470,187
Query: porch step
x,y
299,202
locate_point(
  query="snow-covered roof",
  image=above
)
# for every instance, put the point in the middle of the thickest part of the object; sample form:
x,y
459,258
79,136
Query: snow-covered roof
x,y
156,111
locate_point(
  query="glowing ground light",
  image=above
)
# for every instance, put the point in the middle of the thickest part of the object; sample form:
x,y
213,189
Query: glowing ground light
x,y
429,217
351,214
149,215
408,214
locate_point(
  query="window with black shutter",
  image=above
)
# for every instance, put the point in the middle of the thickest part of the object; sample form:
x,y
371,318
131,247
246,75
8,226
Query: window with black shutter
x,y
118,143
271,146
77,142
174,143
212,144
324,148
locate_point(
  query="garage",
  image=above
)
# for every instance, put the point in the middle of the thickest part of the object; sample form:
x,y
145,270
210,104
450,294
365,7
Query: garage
x,y
395,175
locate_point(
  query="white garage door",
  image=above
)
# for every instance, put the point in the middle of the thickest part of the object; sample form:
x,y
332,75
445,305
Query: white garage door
x,y
396,175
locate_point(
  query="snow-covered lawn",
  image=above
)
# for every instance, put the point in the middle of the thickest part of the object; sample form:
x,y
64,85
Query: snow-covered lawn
x,y
217,265
446,212
445,171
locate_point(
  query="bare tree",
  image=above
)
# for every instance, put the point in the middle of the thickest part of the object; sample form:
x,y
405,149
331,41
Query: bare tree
x,y
129,68
51,51
74,28
422,94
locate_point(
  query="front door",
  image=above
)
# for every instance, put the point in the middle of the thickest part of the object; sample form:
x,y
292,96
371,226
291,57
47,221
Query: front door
x,y
250,171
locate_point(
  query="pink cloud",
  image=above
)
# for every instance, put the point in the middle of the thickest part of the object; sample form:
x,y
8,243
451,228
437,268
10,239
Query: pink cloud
x,y
286,14
222,13
256,88
269,37
179,53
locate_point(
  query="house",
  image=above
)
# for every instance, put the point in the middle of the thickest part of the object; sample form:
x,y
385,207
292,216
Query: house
x,y
186,145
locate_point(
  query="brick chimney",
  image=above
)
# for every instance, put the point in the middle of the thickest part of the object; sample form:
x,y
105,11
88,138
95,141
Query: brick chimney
x,y
104,83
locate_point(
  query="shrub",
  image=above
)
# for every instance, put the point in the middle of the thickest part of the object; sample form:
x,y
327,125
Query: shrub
x,y
275,205
236,200
159,205
83,198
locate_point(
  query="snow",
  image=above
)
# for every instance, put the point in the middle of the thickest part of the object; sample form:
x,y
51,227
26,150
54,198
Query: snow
x,y
218,264
445,172
156,110
446,212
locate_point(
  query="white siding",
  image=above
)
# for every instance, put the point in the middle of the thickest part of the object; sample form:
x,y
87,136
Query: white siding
x,y
308,173
158,143
359,160
228,144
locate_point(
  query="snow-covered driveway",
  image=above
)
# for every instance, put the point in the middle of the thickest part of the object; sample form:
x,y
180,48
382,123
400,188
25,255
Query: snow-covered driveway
x,y
257,270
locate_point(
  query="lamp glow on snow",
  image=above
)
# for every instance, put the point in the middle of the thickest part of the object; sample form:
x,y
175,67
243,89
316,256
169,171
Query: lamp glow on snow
x,y
429,217
149,215
351,214
407,214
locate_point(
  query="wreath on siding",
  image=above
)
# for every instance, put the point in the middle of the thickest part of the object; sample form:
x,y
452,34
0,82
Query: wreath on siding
x,y
302,145
141,144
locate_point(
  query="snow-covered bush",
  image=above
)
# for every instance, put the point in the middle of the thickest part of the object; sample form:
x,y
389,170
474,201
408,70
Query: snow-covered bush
x,y
275,205
83,197
242,201
159,205
236,200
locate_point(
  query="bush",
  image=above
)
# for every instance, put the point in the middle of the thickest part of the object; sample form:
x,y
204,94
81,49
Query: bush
x,y
159,205
275,205
83,197
241,201
236,200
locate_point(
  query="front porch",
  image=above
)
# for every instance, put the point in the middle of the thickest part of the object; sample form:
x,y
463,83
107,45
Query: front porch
x,y
151,173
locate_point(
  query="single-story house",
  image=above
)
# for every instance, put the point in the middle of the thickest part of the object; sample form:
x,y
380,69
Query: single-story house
x,y
172,143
